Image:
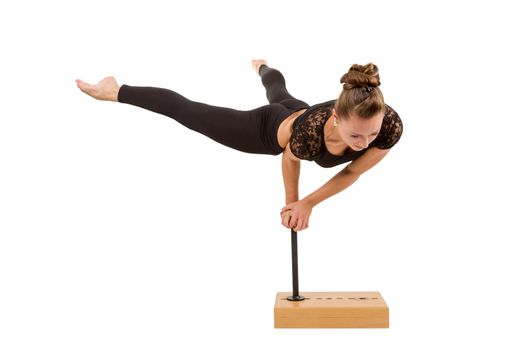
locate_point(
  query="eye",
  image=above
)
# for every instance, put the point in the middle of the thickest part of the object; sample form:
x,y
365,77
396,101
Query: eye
x,y
354,136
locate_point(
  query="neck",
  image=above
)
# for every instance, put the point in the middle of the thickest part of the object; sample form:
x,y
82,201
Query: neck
x,y
331,133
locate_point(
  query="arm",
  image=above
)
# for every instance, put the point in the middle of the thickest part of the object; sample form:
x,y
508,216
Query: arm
x,y
291,168
347,176
342,180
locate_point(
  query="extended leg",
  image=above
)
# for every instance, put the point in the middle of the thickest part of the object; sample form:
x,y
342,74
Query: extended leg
x,y
253,131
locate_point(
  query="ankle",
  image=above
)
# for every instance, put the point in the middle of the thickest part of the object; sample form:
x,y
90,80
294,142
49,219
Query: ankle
x,y
262,68
114,94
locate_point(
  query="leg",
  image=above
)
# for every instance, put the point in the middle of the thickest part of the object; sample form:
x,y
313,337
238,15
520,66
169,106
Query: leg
x,y
276,92
253,131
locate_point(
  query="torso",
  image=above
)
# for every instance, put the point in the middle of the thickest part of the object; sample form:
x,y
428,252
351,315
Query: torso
x,y
285,129
333,145
311,135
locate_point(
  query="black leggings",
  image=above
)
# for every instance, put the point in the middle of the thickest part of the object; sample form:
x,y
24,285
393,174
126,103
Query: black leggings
x,y
253,131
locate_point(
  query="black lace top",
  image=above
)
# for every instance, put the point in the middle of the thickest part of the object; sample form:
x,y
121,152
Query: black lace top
x,y
307,140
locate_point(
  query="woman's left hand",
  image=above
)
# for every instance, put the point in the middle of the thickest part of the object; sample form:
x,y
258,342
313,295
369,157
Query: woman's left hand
x,y
296,215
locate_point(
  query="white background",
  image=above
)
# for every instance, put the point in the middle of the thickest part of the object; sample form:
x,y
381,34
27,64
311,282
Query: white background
x,y
121,229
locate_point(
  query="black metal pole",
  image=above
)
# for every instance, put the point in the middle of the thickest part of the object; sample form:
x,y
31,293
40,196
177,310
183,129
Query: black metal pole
x,y
295,272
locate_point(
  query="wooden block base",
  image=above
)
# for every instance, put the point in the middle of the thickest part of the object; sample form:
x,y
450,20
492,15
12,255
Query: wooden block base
x,y
331,310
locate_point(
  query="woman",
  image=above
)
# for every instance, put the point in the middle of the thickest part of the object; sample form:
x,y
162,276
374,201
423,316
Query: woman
x,y
358,128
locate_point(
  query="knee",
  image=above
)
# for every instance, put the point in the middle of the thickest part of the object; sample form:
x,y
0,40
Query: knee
x,y
271,76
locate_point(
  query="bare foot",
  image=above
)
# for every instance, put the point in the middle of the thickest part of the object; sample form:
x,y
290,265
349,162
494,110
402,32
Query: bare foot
x,y
106,90
256,64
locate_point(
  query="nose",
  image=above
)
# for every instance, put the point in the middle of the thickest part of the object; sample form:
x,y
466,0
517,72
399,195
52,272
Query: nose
x,y
363,143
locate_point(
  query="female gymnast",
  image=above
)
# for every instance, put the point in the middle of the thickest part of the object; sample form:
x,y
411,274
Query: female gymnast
x,y
358,128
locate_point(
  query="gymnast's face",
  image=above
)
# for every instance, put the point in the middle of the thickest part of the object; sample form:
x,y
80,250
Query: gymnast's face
x,y
359,132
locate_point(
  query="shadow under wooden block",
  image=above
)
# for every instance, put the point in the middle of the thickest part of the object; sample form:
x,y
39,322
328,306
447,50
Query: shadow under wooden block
x,y
331,310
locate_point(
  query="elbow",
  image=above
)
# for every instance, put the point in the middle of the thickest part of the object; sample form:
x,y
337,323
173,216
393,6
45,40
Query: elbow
x,y
289,156
348,171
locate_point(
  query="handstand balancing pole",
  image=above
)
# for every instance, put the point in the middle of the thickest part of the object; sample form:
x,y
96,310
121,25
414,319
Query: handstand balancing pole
x,y
295,274
328,309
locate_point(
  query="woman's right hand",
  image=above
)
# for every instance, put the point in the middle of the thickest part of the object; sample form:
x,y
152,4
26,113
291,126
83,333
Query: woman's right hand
x,y
106,90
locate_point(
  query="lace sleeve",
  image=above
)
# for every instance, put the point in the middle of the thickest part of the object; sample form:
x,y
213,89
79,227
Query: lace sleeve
x,y
307,133
391,130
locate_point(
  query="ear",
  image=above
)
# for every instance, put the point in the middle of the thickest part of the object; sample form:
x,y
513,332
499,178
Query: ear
x,y
335,117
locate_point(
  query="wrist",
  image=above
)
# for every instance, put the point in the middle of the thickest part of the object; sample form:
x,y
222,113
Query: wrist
x,y
309,201
290,198
114,95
